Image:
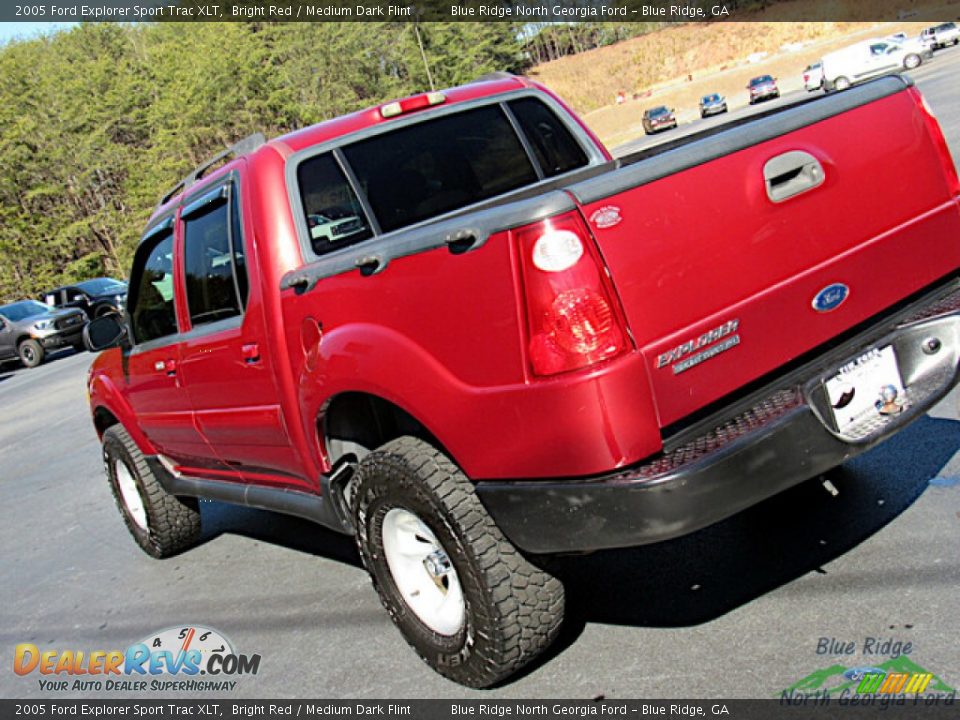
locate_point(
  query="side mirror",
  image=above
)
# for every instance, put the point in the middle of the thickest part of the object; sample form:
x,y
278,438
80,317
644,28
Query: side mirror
x,y
106,331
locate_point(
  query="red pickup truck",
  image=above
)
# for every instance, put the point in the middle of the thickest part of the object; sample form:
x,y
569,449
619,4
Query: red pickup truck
x,y
456,328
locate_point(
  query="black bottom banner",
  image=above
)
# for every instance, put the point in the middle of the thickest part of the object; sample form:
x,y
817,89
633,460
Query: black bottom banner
x,y
859,706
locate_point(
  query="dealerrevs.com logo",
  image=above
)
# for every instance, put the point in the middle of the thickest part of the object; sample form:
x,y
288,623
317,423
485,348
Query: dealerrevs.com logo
x,y
190,658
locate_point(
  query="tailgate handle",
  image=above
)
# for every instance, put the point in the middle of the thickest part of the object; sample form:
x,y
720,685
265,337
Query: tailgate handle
x,y
790,174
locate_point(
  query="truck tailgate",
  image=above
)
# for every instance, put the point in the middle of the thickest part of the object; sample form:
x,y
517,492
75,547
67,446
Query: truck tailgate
x,y
719,282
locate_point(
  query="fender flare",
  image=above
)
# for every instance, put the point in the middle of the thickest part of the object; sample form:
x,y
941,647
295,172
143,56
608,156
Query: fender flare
x,y
105,395
377,361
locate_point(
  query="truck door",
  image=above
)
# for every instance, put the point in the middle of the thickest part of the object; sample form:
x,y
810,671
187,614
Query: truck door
x,y
226,367
7,348
151,366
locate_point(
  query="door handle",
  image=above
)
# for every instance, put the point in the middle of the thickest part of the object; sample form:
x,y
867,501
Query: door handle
x,y
167,366
790,174
250,353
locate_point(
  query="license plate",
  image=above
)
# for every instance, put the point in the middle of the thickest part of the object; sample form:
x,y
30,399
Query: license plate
x,y
867,388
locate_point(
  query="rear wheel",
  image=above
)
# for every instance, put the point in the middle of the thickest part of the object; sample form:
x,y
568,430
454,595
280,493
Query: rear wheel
x,y
841,83
30,352
160,523
471,606
911,61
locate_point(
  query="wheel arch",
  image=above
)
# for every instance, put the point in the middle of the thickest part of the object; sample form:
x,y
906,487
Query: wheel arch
x,y
103,419
352,423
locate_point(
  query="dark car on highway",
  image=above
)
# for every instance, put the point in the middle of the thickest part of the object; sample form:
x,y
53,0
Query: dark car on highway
x,y
28,329
95,297
658,118
763,87
712,105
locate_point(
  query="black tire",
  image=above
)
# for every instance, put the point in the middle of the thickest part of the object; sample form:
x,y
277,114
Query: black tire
x,y
512,610
912,61
172,524
841,83
31,352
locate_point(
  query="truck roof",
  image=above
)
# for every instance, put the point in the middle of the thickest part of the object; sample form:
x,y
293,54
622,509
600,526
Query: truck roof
x,y
363,119
286,145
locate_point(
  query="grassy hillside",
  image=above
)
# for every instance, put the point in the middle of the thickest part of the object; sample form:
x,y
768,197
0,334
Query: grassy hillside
x,y
690,52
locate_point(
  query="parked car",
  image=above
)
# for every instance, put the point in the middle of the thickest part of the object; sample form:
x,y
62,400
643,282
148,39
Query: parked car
x,y
28,329
942,35
530,349
712,104
95,297
333,230
657,119
813,77
866,60
763,87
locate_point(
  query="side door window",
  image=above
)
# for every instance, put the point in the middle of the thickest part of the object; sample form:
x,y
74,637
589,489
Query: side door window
x,y
214,269
152,312
75,298
554,147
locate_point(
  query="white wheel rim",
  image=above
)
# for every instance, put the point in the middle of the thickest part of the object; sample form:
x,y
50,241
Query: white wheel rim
x,y
422,572
130,494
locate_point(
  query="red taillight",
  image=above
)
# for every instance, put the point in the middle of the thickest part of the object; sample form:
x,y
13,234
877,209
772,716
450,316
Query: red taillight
x,y
573,319
933,127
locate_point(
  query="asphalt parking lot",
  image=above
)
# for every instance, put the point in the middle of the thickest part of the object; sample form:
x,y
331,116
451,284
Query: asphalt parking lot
x,y
740,609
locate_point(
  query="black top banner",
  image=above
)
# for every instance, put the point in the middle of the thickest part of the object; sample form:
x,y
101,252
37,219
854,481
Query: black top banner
x,y
516,11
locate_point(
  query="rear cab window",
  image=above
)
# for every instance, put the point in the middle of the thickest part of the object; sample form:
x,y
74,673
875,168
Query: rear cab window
x,y
413,173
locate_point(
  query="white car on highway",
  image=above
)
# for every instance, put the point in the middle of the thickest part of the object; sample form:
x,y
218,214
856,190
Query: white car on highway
x,y
869,59
942,35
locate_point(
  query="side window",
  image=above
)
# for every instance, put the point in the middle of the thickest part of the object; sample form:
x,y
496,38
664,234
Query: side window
x,y
335,218
212,269
554,147
152,313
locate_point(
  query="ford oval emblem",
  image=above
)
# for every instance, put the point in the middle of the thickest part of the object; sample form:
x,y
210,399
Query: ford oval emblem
x,y
831,297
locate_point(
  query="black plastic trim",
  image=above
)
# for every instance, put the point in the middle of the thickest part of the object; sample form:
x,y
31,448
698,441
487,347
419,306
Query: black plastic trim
x,y
372,256
205,202
282,500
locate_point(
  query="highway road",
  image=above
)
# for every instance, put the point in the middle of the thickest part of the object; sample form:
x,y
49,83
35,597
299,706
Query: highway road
x,y
934,78
745,608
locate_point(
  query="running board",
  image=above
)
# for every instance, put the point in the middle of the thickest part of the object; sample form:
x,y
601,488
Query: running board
x,y
282,500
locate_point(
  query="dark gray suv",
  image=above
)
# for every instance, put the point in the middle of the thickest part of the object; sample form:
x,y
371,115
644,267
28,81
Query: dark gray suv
x,y
28,329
